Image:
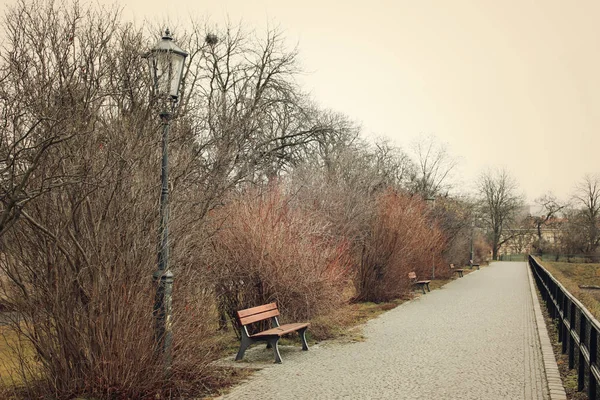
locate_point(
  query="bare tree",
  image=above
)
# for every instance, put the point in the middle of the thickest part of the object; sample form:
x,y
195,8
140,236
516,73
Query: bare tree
x,y
248,119
500,204
587,197
434,167
50,92
79,167
550,209
393,166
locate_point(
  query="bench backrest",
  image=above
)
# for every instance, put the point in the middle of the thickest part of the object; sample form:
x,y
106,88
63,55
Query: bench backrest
x,y
452,266
255,314
412,275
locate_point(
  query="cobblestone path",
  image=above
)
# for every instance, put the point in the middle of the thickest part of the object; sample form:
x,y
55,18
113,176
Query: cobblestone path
x,y
473,339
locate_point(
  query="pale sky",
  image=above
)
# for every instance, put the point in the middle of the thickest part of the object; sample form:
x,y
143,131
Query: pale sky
x,y
512,83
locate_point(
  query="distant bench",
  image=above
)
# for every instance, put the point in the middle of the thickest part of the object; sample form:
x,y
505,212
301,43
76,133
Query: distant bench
x,y
271,336
422,284
458,271
471,265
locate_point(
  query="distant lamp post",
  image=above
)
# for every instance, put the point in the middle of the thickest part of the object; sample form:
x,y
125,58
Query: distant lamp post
x,y
472,258
430,200
166,61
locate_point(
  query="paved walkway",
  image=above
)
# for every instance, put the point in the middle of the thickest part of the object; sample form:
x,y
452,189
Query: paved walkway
x,y
475,338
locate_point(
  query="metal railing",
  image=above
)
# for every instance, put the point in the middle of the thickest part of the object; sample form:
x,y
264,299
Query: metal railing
x,y
577,328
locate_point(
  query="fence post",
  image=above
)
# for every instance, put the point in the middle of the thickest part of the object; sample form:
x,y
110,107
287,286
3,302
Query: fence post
x,y
563,325
581,364
571,340
593,351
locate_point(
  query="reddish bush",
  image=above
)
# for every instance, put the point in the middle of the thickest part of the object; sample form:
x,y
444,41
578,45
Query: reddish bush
x,y
267,250
482,250
401,239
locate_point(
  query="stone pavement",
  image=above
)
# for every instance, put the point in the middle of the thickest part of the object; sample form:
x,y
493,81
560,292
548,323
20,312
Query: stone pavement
x,y
475,338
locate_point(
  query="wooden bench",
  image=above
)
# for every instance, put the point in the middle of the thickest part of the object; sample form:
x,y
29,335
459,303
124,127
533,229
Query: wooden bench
x,y
422,284
458,271
471,265
271,336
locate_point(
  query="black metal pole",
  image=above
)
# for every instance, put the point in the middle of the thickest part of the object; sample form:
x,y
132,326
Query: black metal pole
x,y
472,259
163,277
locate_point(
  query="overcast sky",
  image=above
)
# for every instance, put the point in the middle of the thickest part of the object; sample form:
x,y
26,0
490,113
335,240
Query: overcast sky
x,y
512,83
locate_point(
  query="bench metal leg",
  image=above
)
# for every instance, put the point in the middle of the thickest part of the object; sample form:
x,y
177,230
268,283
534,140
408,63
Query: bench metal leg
x,y
427,284
302,334
273,343
246,342
422,287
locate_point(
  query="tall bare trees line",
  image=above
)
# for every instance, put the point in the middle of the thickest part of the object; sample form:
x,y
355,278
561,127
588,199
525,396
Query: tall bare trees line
x,y
241,119
79,179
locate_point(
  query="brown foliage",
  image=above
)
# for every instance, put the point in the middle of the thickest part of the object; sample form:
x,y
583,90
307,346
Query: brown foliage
x,y
268,250
481,249
401,240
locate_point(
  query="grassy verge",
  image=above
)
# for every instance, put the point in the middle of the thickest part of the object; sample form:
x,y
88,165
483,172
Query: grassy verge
x,y
571,275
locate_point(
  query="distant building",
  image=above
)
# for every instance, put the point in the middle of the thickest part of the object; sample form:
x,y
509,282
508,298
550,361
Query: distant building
x,y
525,239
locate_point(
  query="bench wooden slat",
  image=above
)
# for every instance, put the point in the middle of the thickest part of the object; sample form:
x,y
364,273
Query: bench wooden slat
x,y
256,310
259,317
282,330
422,284
271,336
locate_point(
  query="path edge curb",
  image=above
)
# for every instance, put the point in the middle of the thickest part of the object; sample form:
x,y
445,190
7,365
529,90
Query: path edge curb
x,y
555,385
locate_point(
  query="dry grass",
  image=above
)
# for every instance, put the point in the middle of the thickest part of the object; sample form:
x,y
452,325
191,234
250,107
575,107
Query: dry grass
x,y
9,360
14,348
571,275
344,322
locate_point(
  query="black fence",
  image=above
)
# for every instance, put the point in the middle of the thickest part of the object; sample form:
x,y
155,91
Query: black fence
x,y
512,257
577,328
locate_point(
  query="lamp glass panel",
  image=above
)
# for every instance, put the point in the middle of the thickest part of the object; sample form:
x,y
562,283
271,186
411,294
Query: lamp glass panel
x,y
161,72
176,72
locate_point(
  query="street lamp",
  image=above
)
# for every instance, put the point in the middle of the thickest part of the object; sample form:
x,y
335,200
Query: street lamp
x,y
166,61
431,204
472,258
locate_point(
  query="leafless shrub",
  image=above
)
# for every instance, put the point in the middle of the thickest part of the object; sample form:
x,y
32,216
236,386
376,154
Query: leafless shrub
x,y
80,168
268,250
454,218
401,239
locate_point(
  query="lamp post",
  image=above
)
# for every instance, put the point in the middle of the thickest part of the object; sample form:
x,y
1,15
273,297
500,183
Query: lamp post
x,y
472,258
166,61
431,204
